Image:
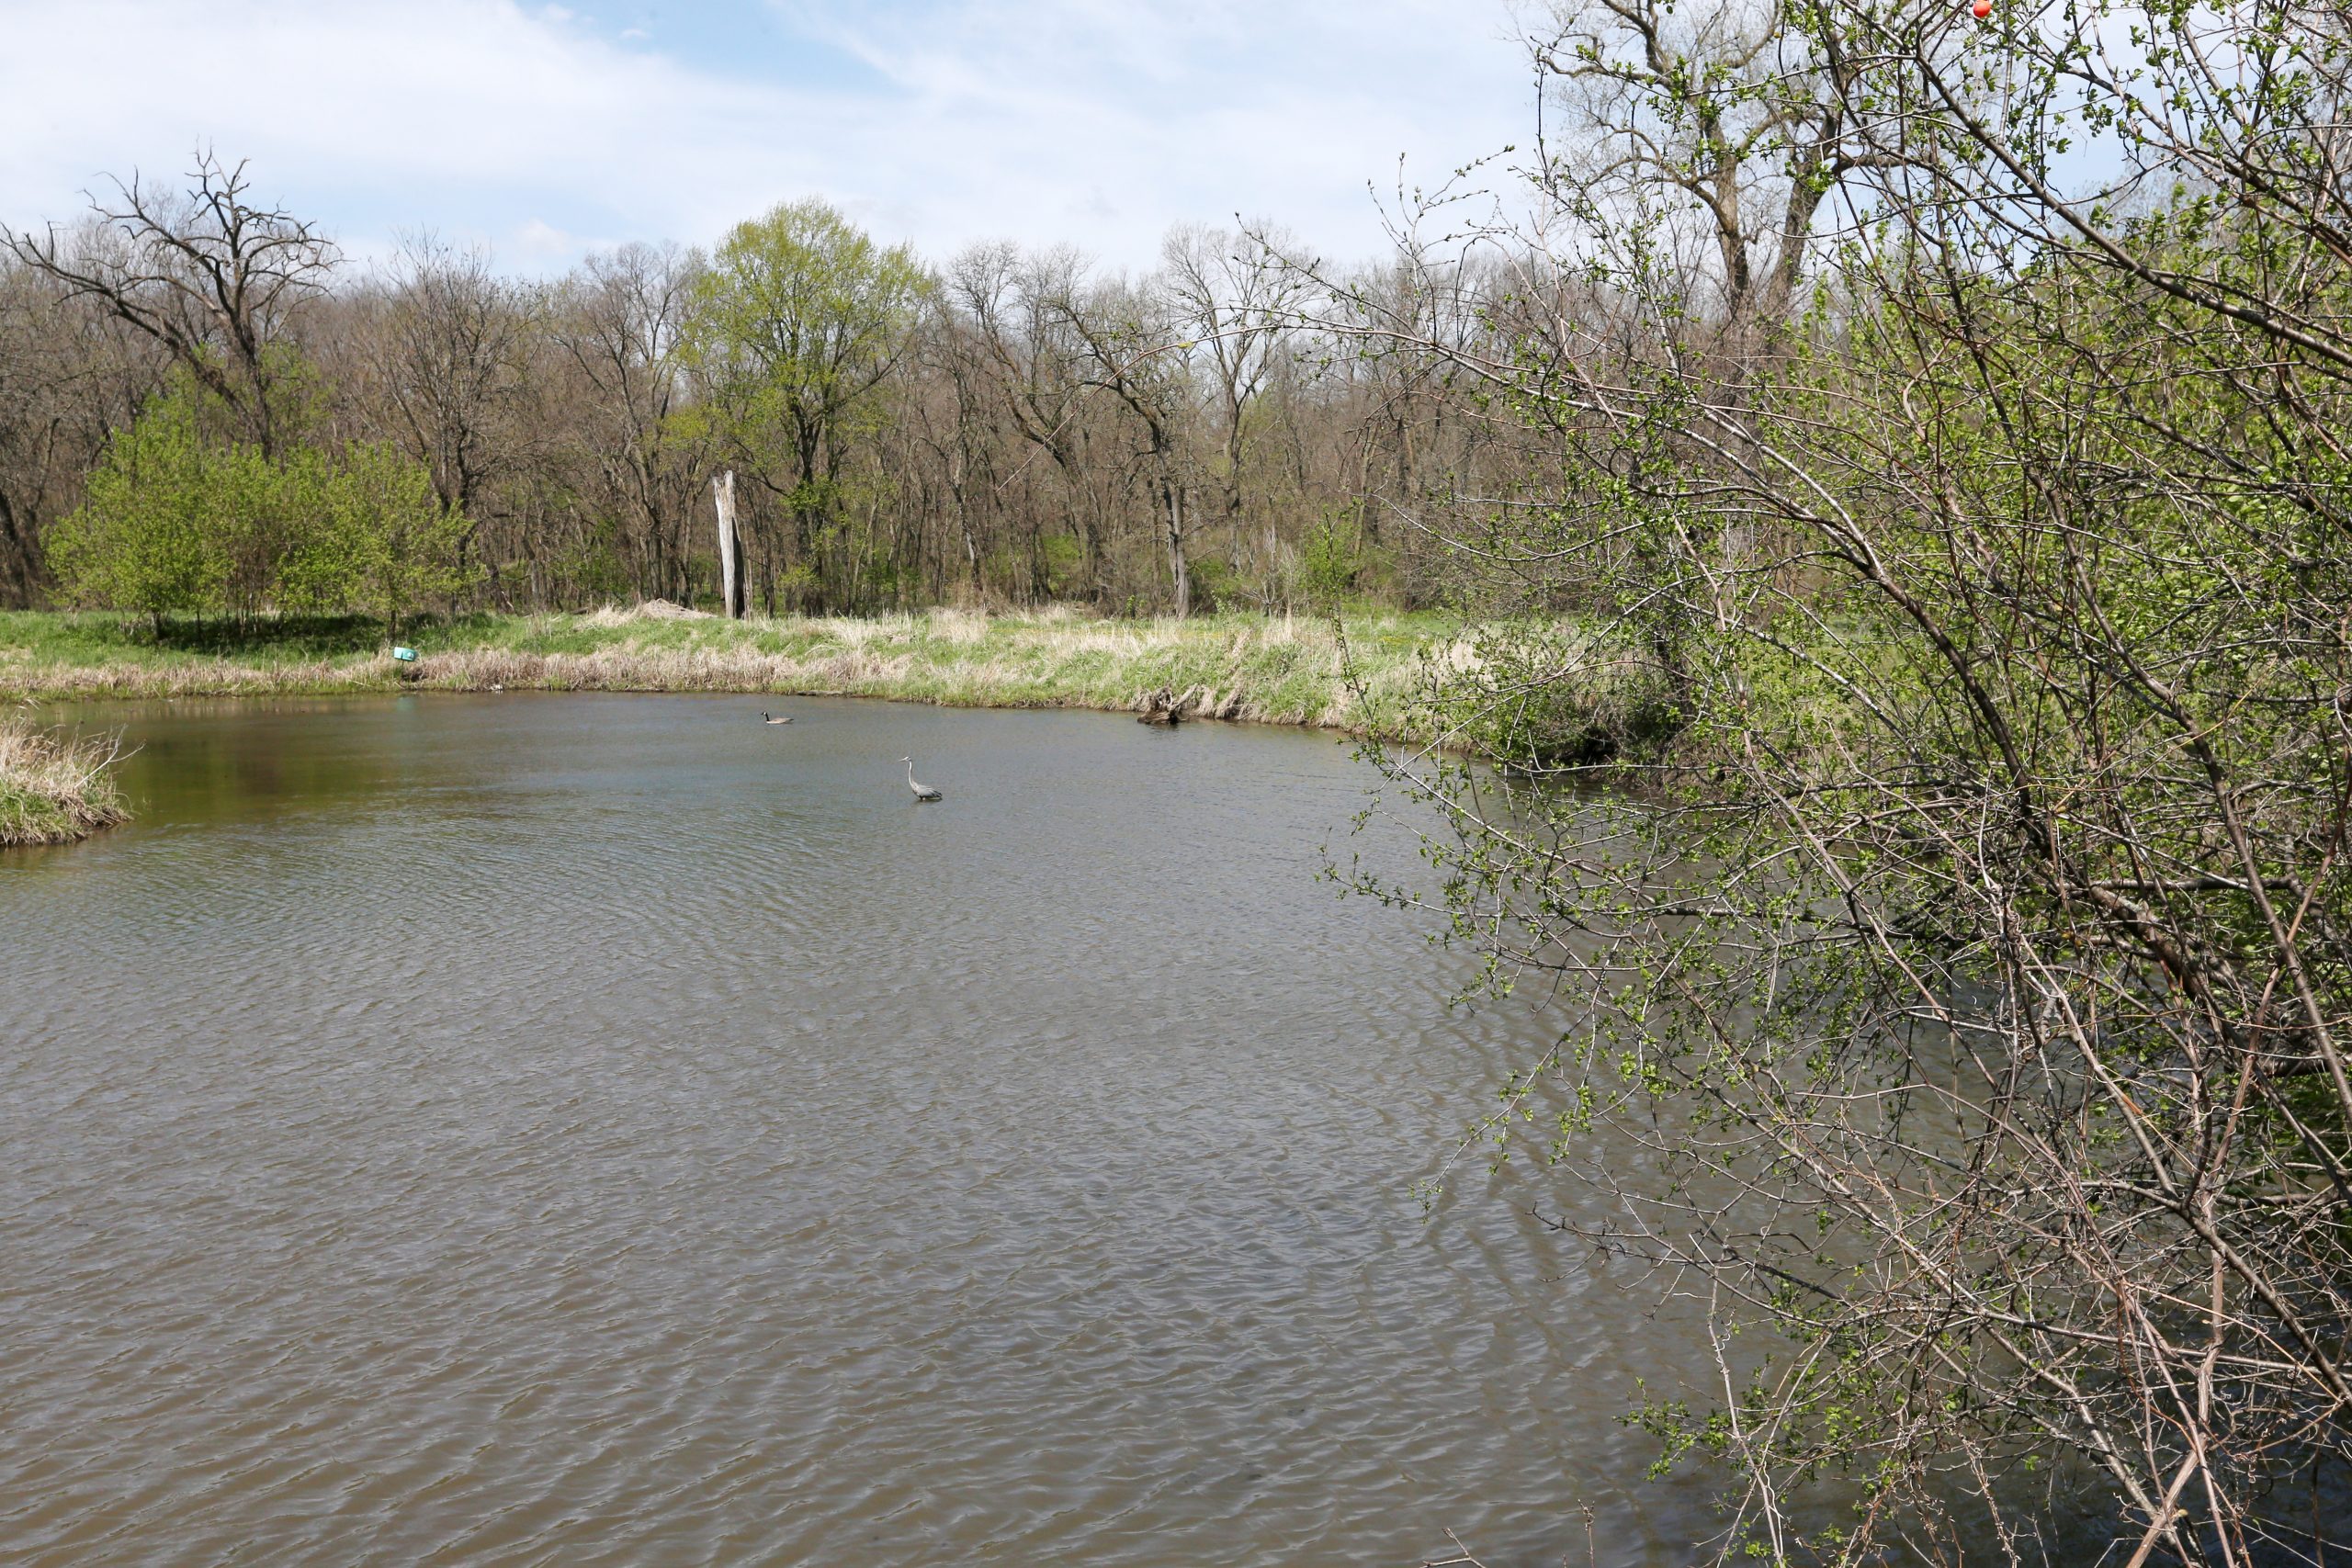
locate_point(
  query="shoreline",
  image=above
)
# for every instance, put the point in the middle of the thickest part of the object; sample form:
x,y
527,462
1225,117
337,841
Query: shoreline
x,y
1289,671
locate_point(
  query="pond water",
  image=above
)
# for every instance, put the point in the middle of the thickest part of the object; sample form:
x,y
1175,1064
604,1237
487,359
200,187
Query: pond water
x,y
598,1128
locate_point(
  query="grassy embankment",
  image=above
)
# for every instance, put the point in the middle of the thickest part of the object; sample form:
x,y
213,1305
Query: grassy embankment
x,y
1271,669
53,789
1550,692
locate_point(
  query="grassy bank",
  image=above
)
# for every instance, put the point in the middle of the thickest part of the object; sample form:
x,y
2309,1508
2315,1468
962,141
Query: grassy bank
x,y
1276,670
53,789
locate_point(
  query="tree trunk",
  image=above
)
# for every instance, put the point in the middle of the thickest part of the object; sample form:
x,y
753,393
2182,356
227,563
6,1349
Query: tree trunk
x,y
1175,494
731,586
21,565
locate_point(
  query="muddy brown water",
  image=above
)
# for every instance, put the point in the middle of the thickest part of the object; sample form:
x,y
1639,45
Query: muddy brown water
x,y
592,1129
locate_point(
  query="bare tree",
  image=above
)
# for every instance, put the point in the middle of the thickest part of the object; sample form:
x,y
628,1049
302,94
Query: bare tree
x,y
1732,113
70,373
448,343
206,273
1012,301
1238,300
619,320
1132,352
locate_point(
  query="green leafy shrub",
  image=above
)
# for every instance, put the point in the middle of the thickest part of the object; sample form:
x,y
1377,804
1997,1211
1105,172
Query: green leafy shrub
x,y
176,523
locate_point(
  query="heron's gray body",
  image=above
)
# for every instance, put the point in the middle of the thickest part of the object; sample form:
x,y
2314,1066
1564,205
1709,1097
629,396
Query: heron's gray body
x,y
923,791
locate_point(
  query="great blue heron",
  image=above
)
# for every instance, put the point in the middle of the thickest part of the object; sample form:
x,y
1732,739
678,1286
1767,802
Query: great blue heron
x,y
786,719
923,791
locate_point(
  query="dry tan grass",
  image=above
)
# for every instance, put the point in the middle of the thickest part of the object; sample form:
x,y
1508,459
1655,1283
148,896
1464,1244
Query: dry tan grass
x,y
961,627
650,610
1273,670
54,789
207,679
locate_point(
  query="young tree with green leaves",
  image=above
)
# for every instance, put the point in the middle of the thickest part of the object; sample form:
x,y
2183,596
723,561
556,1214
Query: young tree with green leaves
x,y
147,537
176,522
794,327
382,541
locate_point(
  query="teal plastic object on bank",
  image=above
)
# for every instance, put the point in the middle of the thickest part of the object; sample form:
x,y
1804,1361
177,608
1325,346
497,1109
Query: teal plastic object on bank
x,y
405,655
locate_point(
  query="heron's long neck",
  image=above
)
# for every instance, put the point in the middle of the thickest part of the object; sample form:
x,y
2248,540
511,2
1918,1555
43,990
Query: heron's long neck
x,y
910,773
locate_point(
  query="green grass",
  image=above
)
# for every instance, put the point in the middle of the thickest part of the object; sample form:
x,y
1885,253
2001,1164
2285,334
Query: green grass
x,y
1273,670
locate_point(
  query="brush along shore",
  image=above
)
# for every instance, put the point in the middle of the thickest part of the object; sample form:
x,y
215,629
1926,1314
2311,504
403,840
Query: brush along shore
x,y
1358,674
54,789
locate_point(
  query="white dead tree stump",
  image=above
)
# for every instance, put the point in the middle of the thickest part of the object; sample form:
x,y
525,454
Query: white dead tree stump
x,y
732,587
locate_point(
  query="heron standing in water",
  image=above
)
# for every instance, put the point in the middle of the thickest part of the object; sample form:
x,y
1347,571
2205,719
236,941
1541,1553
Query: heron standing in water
x,y
923,791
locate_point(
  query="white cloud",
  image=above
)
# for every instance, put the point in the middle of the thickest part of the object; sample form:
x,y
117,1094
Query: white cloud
x,y
539,240
1097,121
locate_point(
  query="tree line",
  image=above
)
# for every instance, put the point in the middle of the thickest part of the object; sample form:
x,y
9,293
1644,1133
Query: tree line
x,y
1007,427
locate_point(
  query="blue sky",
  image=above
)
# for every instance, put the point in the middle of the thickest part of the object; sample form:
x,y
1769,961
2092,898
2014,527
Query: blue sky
x,y
544,130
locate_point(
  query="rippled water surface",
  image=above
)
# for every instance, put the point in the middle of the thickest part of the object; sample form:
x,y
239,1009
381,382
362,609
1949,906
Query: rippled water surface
x,y
580,1130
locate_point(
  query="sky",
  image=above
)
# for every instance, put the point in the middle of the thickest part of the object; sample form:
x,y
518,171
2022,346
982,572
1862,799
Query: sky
x,y
547,131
